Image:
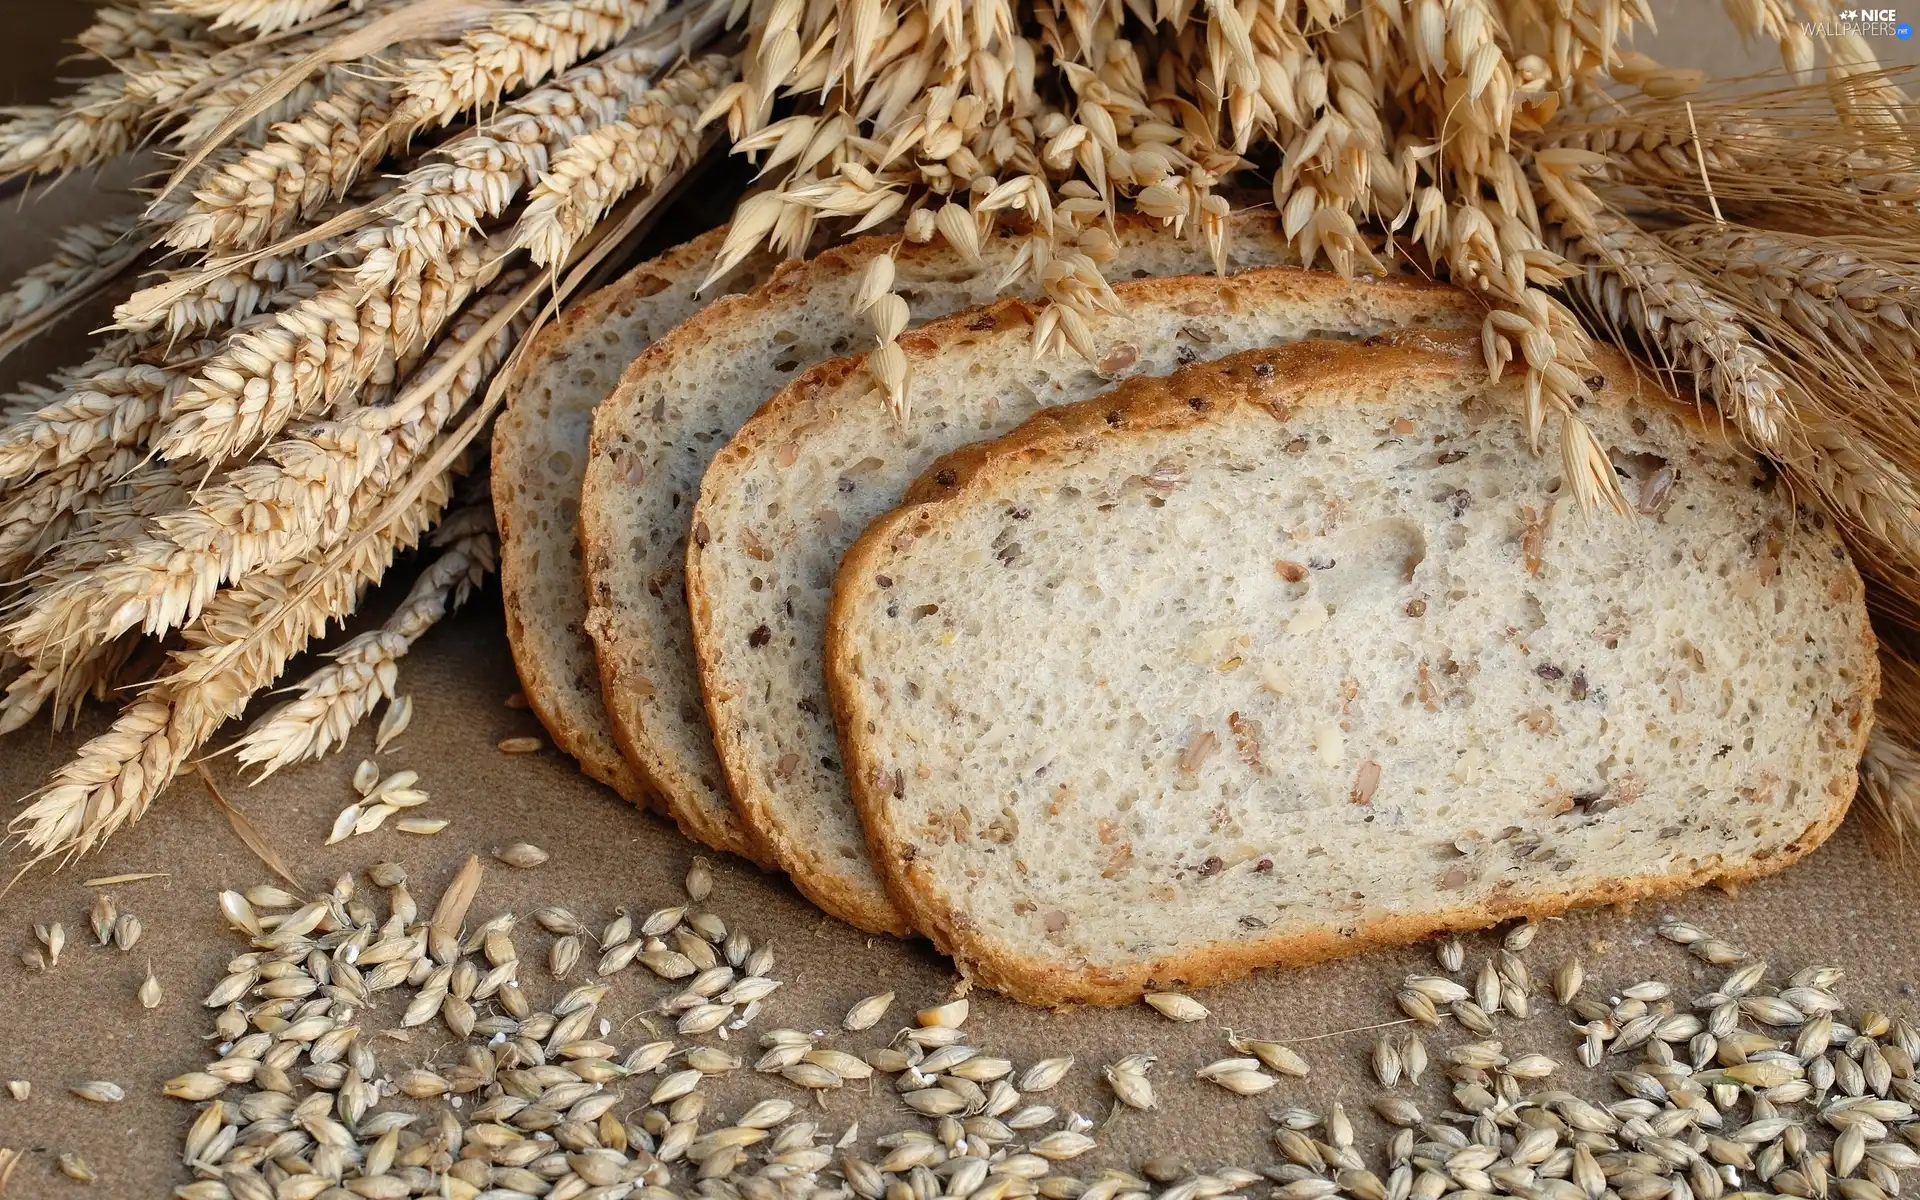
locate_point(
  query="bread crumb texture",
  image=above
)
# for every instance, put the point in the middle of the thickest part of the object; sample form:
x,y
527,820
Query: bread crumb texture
x,y
1251,669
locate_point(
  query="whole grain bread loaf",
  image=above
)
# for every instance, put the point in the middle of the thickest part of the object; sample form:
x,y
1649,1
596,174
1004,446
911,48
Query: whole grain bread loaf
x,y
1303,650
539,457
681,400
786,497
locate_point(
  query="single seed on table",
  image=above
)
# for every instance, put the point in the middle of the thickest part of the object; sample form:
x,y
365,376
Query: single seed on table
x,y
1567,978
866,1013
1717,953
675,1086
99,1091
928,1102
1418,1006
1396,1110
1451,954
1413,1057
1273,1055
425,826
1245,1083
1061,1145
75,1168
54,938
1532,1066
699,881
1128,1079
1486,988
386,874
126,931
1520,937
1176,1007
1046,1073
19,1089
194,1085
365,776
1386,1062
393,722
1226,1066
102,918
950,1015
523,855
519,745
150,989
1472,1016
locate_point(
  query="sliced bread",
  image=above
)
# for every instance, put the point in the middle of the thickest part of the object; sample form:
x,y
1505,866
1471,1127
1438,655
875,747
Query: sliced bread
x,y
1303,651
539,457
681,400
798,483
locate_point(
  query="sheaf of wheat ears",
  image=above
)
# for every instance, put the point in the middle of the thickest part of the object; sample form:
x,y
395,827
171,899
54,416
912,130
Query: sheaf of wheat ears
x,y
607,236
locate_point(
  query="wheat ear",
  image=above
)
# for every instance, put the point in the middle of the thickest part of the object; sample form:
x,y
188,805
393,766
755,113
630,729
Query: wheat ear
x,y
257,16
655,136
1631,282
118,32
297,500
239,645
1821,288
363,671
310,161
65,686
309,356
86,258
85,129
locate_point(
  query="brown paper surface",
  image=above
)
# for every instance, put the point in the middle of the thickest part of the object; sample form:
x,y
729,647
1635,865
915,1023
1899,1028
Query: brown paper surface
x,y
1844,905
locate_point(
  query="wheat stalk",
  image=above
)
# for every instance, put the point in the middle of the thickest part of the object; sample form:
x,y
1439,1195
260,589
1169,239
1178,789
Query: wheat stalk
x,y
364,670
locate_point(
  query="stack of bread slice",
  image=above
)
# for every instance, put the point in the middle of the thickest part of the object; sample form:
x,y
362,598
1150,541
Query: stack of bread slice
x,y
1259,634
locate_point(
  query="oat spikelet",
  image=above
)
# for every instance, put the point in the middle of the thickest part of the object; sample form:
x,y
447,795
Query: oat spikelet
x,y
363,672
295,501
239,645
651,139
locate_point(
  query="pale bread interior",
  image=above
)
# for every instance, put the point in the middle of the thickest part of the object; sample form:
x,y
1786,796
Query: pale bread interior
x,y
783,501
1134,705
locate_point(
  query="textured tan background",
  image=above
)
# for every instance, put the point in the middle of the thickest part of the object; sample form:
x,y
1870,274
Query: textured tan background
x,y
1843,905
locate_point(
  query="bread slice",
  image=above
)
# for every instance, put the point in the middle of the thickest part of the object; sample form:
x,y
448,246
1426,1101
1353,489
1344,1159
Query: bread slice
x,y
798,483
539,456
681,400
1303,651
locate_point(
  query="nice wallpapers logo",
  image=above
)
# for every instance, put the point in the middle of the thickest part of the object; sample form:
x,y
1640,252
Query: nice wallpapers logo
x,y
1866,22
